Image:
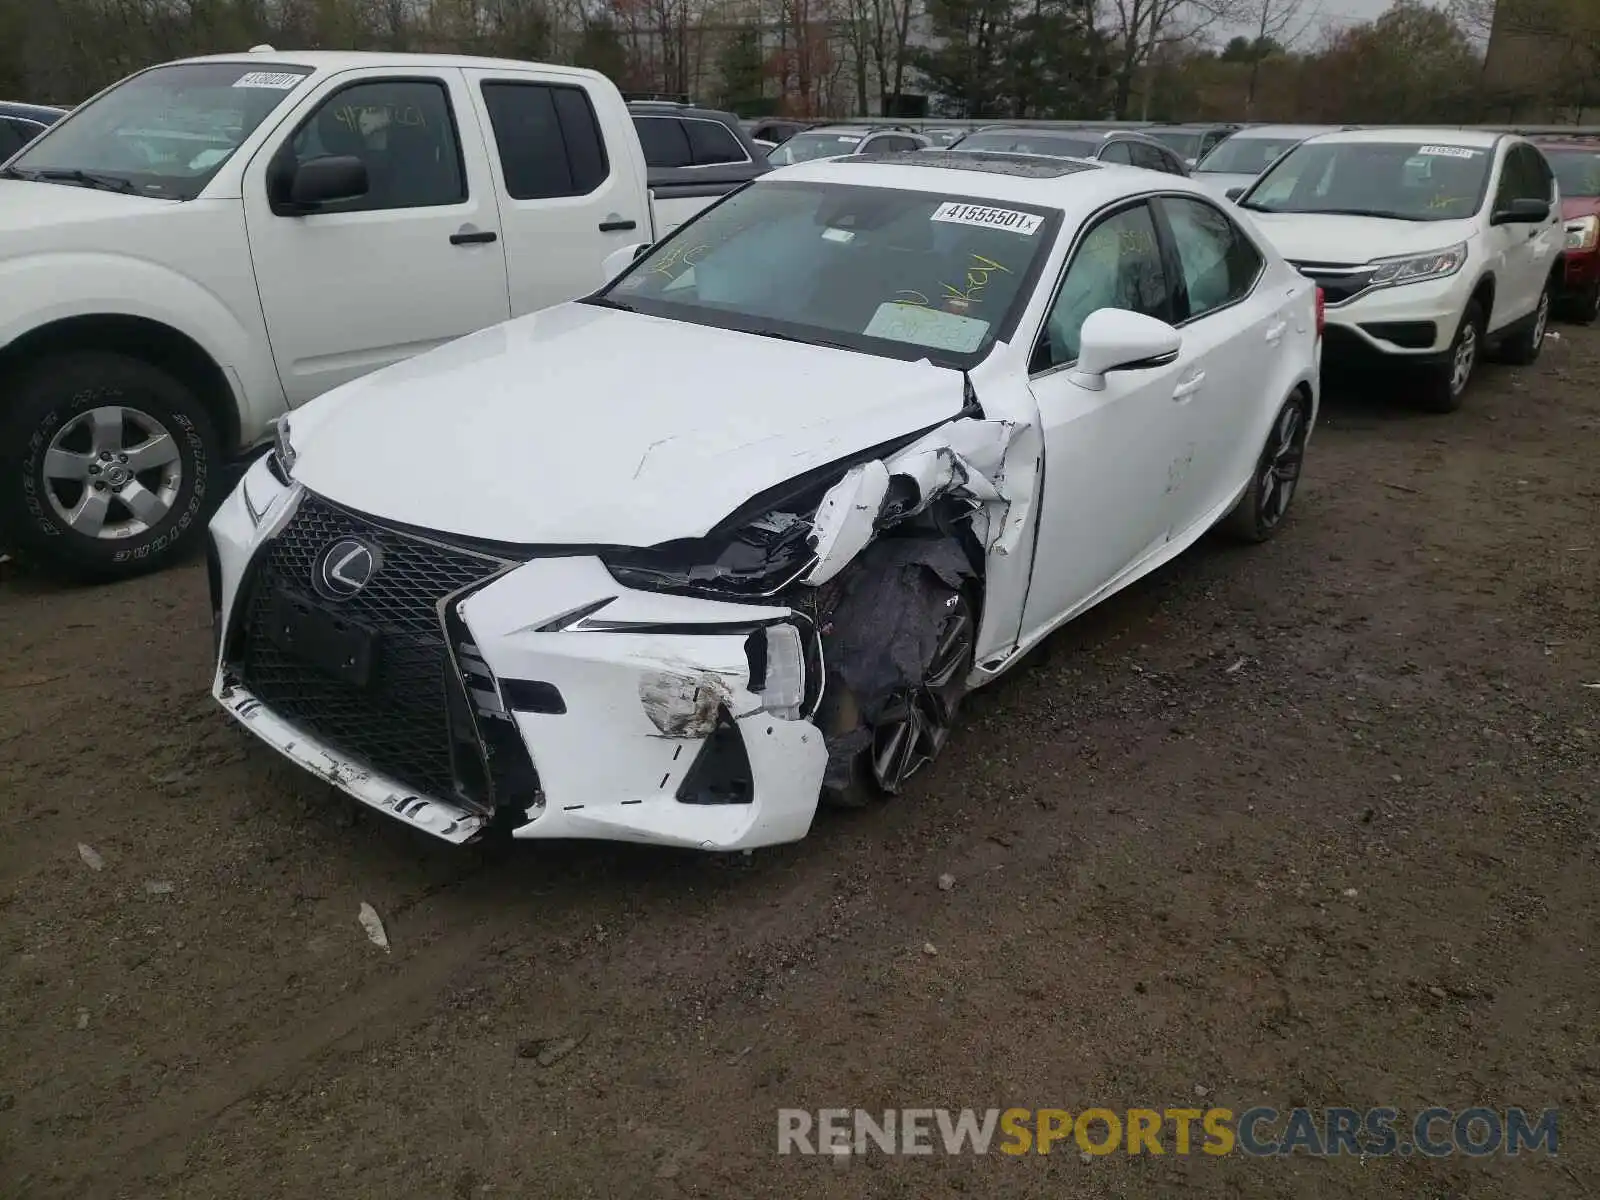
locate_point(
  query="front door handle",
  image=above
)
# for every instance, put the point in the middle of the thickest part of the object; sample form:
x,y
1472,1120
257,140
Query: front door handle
x,y
473,237
1275,332
1189,386
615,226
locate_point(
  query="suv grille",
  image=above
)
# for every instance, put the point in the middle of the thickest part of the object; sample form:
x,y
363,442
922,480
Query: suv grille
x,y
1338,282
398,724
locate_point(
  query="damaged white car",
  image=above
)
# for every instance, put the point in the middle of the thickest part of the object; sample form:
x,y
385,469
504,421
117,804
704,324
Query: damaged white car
x,y
668,563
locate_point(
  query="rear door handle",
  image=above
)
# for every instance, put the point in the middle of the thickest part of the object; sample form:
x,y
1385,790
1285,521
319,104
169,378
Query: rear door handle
x,y
1189,386
473,237
1275,332
614,226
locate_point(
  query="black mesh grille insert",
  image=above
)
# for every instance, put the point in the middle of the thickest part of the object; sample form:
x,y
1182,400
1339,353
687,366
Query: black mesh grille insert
x,y
397,724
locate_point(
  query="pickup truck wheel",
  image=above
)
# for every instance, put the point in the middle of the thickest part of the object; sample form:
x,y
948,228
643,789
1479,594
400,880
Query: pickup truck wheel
x,y
1444,386
107,466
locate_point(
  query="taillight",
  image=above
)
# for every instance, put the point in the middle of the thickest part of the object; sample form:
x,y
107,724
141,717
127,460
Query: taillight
x,y
1322,311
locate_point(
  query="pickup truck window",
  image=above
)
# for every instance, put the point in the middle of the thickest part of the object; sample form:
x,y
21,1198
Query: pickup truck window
x,y
403,130
548,138
164,132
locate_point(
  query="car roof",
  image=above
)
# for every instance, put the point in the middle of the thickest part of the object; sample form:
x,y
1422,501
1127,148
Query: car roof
x,y
659,108
1480,139
31,112
1282,131
1037,179
1562,141
1188,127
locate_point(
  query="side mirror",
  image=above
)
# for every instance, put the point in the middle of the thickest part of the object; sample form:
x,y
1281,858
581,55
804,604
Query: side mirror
x,y
1234,193
320,181
1522,212
620,259
1114,339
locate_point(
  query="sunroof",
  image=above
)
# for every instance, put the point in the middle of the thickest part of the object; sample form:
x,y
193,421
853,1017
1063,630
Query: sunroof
x,y
991,162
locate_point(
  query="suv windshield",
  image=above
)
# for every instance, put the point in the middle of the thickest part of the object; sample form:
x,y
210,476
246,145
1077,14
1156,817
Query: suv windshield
x,y
1031,141
894,273
1184,142
1578,171
1245,155
1402,180
803,147
162,133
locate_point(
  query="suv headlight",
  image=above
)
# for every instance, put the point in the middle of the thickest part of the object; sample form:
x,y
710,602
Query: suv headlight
x,y
1583,233
1418,268
281,460
758,560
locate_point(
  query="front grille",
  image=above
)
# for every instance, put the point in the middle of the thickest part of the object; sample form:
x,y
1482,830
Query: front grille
x,y
1339,283
398,724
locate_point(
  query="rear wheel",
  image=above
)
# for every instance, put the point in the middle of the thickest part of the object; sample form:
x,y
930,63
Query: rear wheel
x,y
1585,307
1522,349
916,722
1265,504
107,466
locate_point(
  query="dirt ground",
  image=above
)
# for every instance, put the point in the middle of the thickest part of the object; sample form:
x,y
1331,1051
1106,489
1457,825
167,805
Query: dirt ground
x,y
1153,828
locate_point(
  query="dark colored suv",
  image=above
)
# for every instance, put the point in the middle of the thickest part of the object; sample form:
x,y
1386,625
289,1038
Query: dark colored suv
x,y
694,152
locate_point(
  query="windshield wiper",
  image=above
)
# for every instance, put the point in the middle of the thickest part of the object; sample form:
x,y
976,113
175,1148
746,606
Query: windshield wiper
x,y
608,302
1383,213
88,179
804,341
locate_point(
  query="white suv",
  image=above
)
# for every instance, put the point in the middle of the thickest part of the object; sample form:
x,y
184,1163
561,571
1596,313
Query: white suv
x,y
1430,245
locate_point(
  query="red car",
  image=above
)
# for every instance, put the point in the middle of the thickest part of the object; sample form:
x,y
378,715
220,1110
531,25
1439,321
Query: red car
x,y
1576,162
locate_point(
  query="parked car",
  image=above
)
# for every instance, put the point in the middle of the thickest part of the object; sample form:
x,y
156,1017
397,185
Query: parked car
x,y
1235,163
1191,142
1123,146
776,130
693,156
21,123
212,242
1431,246
829,141
573,576
1576,163
942,137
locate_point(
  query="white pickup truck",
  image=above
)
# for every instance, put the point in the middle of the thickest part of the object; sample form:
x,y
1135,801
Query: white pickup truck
x,y
212,242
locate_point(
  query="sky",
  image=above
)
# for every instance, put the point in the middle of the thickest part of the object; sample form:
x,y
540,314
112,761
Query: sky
x,y
1330,14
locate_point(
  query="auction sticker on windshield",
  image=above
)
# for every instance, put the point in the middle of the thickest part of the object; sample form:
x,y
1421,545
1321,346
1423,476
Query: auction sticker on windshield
x,y
957,213
280,81
1448,151
927,327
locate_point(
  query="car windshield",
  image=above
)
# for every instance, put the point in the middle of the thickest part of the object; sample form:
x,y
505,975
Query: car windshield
x,y
896,273
1184,142
1031,141
1578,171
1406,181
803,147
1245,155
162,133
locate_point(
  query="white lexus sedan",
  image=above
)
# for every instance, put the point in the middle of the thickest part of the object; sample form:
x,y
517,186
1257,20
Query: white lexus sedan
x,y
738,531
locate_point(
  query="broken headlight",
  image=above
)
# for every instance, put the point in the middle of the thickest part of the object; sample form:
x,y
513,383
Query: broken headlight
x,y
759,559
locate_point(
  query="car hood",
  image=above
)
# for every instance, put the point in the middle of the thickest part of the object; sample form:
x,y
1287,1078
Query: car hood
x,y
581,425
28,207
1579,206
1335,238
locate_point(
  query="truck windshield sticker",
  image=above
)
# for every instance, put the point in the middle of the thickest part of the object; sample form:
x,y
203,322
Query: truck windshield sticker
x,y
1449,151
956,213
280,81
931,327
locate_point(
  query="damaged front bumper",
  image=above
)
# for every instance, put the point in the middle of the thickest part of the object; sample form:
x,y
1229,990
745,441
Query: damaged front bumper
x,y
562,705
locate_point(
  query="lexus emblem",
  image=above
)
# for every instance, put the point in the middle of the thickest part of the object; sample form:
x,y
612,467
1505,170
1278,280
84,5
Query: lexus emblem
x,y
345,567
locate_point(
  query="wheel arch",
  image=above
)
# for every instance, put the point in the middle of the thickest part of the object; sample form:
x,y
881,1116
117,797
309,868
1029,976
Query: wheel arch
x,y
1483,292
151,341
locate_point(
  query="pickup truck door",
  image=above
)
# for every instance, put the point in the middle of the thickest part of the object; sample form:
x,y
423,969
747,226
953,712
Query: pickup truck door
x,y
570,177
417,261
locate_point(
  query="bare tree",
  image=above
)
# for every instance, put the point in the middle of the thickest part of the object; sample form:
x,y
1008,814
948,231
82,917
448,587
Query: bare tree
x,y
1278,24
1141,27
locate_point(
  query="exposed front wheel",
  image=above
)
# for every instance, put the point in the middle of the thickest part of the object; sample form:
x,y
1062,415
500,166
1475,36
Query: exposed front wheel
x,y
108,466
915,723
1445,386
